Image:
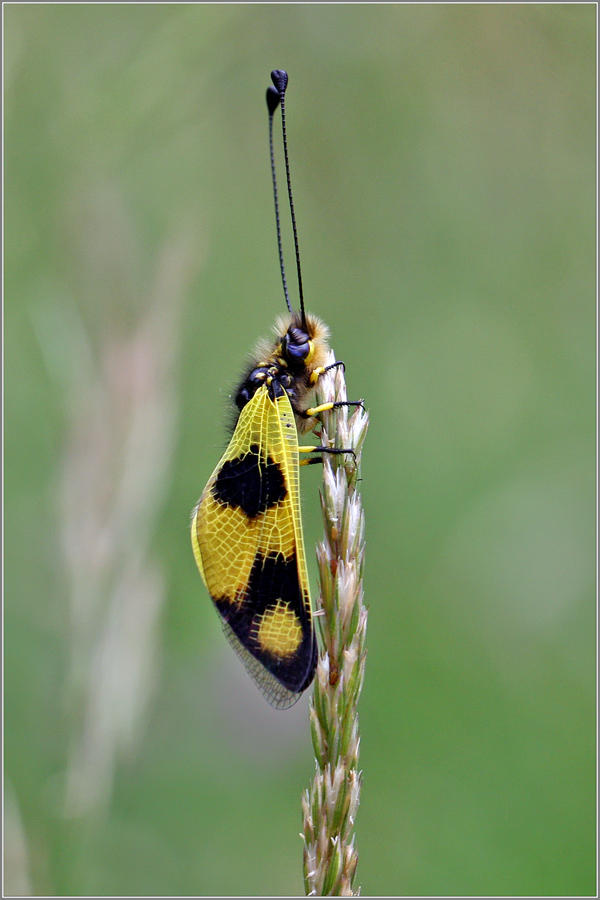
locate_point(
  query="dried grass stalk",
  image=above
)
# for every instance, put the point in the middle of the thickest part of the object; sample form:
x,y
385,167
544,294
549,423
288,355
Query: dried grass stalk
x,y
331,803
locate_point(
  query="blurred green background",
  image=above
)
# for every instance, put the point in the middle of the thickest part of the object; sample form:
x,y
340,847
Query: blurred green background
x,y
443,162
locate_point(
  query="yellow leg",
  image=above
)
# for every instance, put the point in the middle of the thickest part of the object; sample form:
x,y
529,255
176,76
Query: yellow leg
x,y
315,410
315,460
321,369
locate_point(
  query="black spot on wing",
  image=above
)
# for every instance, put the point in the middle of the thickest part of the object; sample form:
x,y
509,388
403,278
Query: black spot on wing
x,y
250,482
273,578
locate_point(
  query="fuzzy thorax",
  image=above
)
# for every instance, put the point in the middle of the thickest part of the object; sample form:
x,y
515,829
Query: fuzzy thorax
x,y
289,364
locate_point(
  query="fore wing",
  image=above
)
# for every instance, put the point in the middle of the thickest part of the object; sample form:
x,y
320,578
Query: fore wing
x,y
248,544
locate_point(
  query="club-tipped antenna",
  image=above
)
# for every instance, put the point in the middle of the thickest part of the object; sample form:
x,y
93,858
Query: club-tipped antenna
x,y
272,104
275,97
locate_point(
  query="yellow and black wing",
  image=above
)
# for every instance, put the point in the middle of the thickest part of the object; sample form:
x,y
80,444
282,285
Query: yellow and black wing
x,y
248,544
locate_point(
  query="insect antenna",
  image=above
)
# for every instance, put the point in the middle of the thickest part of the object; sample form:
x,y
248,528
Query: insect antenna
x,y
276,96
272,104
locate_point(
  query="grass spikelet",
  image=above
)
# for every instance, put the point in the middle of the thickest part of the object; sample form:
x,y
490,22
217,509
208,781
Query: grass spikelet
x,y
331,802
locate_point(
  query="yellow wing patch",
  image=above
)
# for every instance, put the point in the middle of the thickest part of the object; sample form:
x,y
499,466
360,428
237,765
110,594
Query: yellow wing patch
x,y
279,630
248,544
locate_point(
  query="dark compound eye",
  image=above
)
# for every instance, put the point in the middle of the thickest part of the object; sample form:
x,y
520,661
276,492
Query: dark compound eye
x,y
298,353
296,345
